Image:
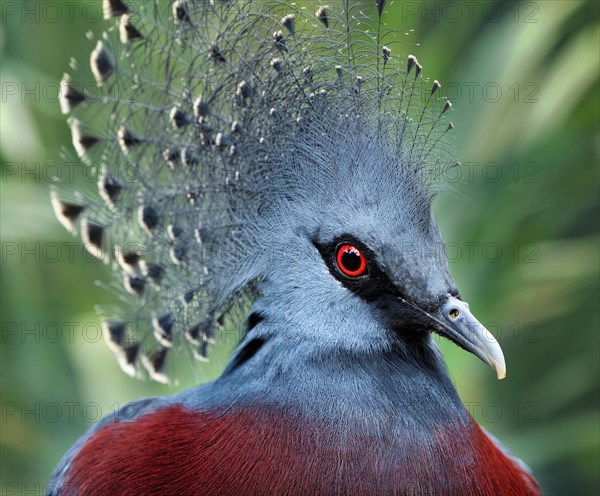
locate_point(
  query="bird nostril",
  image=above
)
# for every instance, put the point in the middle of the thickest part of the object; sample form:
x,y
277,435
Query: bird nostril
x,y
454,313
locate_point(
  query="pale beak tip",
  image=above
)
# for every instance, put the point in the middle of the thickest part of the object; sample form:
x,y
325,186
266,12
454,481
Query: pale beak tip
x,y
500,369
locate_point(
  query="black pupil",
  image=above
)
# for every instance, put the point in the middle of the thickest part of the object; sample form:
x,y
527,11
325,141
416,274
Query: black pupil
x,y
351,260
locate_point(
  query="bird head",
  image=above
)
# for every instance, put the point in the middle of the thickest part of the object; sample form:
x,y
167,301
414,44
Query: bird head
x,y
302,164
355,257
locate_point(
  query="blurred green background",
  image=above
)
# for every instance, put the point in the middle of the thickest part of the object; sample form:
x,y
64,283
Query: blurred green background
x,y
522,232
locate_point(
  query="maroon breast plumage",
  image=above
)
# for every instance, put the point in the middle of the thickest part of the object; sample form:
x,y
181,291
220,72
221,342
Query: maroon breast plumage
x,y
175,451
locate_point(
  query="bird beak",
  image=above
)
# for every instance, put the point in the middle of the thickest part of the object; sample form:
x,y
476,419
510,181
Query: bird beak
x,y
454,320
457,323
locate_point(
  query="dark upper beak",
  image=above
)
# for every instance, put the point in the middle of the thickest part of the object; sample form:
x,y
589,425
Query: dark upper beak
x,y
454,320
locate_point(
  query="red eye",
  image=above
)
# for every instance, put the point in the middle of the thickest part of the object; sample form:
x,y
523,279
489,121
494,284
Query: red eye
x,y
351,261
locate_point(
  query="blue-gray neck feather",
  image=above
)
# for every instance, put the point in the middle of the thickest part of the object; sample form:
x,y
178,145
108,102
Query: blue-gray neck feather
x,y
406,385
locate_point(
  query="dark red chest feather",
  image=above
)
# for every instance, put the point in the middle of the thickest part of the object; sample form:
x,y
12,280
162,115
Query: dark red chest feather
x,y
175,451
